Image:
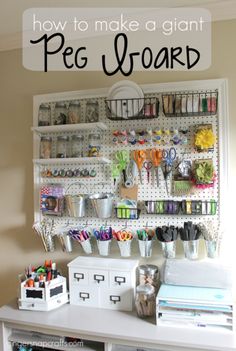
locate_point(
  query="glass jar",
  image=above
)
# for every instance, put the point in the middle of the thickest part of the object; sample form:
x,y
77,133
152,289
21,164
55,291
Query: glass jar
x,y
62,147
74,112
45,147
44,116
92,112
145,301
77,143
60,113
148,274
94,144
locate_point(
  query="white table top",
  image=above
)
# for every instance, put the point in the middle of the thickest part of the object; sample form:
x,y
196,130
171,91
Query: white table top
x,y
119,327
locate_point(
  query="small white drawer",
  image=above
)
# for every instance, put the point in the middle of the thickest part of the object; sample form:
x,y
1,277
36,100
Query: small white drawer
x,y
79,276
99,278
116,299
85,296
120,279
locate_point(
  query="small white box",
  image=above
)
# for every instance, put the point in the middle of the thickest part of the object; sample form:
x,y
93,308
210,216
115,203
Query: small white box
x,y
103,282
44,299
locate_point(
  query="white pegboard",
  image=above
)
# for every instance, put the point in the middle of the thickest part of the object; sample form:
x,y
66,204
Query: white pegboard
x,y
103,181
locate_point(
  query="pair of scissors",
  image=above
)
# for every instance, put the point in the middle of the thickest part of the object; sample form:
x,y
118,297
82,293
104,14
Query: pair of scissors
x,y
156,158
139,158
168,158
148,166
123,158
123,235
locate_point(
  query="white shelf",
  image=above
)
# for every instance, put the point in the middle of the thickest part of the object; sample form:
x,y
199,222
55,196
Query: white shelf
x,y
87,160
69,128
25,338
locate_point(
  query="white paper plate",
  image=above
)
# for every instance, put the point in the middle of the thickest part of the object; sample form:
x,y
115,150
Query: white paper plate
x,y
129,99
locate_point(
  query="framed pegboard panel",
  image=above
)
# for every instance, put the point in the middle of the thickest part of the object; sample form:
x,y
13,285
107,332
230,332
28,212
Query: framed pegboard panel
x,y
147,191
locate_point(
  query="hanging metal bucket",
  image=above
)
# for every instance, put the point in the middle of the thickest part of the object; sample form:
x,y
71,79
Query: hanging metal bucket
x,y
102,204
76,204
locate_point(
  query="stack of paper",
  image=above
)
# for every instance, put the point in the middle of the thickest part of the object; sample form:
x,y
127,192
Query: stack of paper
x,y
196,306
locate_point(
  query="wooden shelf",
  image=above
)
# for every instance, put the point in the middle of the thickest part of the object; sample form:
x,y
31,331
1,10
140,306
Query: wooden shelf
x,y
69,128
87,160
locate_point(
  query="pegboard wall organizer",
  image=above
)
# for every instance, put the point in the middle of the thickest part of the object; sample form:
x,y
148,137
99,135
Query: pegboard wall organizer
x,y
147,190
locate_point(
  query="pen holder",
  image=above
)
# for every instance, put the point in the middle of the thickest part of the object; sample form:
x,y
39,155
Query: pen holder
x,y
66,242
48,242
104,247
211,248
191,249
125,248
86,245
168,249
145,248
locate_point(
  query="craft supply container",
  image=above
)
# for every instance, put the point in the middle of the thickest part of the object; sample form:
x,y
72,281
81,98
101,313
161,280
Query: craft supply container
x,y
77,145
145,248
62,147
45,147
92,112
104,247
102,204
86,246
145,301
44,116
191,249
168,249
125,248
211,248
74,112
148,274
60,113
53,295
65,241
103,282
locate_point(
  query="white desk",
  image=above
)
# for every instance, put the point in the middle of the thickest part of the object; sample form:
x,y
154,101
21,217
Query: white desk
x,y
112,328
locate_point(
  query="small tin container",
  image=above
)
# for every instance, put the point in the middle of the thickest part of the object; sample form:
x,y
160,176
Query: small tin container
x,y
148,274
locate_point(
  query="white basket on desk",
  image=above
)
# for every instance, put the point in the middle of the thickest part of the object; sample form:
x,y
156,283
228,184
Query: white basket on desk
x,y
44,299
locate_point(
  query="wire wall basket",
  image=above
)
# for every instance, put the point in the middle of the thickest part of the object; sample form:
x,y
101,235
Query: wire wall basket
x,y
127,213
192,207
190,104
131,109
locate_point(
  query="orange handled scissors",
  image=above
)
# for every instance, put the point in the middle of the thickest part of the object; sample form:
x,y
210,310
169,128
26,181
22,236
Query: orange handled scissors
x,y
156,158
139,158
123,235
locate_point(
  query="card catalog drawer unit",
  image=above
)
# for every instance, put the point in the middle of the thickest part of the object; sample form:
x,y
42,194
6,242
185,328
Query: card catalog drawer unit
x,y
102,282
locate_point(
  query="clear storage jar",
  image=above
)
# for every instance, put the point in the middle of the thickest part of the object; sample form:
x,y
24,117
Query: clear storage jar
x,y
145,301
92,112
62,147
60,113
45,147
94,144
74,112
148,274
44,115
77,144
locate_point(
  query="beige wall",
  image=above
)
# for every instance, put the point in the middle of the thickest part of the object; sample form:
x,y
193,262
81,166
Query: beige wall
x,y
18,244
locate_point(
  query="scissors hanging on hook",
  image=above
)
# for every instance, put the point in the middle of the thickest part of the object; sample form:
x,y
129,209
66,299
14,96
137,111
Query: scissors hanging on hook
x,y
139,158
168,157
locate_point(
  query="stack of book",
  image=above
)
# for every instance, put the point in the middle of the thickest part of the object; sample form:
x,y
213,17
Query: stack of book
x,y
194,306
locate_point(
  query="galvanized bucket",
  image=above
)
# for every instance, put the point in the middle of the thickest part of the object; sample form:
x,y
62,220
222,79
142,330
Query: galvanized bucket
x,y
102,204
76,204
